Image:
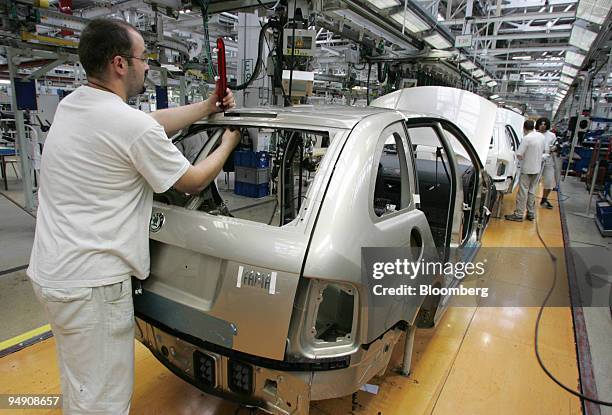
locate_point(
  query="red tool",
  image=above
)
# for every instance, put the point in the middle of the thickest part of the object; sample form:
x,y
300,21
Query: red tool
x,y
221,78
65,6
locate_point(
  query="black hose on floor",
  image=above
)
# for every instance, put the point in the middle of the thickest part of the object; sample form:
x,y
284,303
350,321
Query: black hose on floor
x,y
553,258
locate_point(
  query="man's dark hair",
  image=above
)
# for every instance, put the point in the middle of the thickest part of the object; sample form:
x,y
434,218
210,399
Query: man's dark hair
x,y
544,121
528,125
101,41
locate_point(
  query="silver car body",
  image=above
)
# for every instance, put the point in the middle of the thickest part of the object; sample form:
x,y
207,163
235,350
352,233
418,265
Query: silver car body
x,y
229,297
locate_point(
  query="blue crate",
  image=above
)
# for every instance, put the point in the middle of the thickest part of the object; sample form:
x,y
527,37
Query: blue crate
x,y
604,214
251,190
258,160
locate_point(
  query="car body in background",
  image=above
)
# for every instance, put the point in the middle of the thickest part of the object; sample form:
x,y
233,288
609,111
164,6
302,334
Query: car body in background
x,y
474,115
502,163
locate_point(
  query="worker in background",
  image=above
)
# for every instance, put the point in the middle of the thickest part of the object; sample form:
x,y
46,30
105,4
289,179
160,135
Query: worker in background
x,y
102,162
530,153
548,171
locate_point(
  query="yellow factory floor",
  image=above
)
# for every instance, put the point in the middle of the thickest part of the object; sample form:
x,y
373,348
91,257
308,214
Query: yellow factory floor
x,y
478,360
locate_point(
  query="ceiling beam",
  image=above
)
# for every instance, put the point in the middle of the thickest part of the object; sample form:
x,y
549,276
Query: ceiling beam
x,y
528,49
532,3
517,17
521,36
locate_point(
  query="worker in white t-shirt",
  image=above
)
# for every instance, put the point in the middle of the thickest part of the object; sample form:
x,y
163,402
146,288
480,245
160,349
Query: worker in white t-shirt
x,y
548,171
101,164
530,154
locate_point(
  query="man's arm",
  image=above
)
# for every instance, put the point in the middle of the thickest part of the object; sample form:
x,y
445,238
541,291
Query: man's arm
x,y
175,119
197,177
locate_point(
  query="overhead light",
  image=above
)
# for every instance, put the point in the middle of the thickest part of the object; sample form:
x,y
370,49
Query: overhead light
x,y
532,81
570,71
582,38
574,58
526,73
478,73
594,11
563,87
566,80
412,22
467,65
485,79
491,84
437,41
5,81
440,18
384,4
521,58
494,96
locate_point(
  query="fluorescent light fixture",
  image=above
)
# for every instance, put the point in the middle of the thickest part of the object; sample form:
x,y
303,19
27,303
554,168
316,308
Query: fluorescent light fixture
x,y
566,80
574,58
582,38
521,58
440,18
384,4
467,65
5,82
563,88
532,81
412,22
494,96
526,73
485,79
570,71
437,41
594,11
491,84
478,73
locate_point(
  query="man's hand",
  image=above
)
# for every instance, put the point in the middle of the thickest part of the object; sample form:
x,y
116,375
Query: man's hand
x,y
212,105
231,138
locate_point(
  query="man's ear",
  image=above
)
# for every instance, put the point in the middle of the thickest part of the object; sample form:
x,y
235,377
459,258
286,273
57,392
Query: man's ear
x,y
119,65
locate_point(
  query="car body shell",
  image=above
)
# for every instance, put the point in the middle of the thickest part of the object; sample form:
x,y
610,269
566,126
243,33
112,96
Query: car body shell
x,y
199,300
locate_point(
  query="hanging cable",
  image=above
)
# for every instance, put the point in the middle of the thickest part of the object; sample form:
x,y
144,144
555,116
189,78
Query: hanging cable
x,y
269,8
258,64
210,68
368,83
292,56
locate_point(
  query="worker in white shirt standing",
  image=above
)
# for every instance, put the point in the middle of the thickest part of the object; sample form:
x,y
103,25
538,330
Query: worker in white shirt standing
x,y
530,153
548,172
103,161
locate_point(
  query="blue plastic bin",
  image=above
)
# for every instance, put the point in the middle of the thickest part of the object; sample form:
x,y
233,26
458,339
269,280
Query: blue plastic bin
x,y
251,190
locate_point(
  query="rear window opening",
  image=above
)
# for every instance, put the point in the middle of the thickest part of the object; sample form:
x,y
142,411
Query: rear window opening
x,y
266,179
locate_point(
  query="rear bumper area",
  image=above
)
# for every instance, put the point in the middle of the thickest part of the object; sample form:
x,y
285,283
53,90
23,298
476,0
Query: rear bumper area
x,y
274,391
